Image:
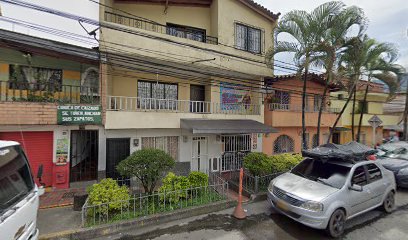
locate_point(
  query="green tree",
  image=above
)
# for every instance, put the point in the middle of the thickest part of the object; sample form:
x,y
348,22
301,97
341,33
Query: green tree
x,y
364,57
306,30
339,26
148,165
380,65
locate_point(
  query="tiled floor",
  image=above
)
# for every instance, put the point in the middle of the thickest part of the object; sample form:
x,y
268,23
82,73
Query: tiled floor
x,y
59,198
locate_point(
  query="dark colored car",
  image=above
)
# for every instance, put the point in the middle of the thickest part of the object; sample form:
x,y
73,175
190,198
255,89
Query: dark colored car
x,y
397,162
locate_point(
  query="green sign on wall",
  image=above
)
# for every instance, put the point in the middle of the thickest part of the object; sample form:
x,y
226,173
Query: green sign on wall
x,y
79,114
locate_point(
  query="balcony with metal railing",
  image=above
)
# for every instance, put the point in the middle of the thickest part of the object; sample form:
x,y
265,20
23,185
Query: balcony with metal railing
x,y
290,115
13,91
136,104
159,28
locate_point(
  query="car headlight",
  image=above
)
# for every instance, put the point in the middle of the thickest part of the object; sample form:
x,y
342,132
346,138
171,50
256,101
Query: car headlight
x,y
270,186
312,206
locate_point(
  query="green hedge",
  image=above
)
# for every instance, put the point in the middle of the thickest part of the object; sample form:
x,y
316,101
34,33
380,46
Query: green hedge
x,y
107,191
176,187
259,164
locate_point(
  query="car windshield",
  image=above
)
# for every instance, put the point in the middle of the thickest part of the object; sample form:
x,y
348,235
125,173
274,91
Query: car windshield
x,y
15,177
331,173
400,153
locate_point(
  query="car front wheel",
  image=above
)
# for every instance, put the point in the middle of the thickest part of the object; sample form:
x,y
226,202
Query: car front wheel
x,y
389,202
337,221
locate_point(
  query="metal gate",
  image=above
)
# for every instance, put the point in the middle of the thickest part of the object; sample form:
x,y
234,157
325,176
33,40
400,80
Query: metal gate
x,y
84,155
236,147
117,149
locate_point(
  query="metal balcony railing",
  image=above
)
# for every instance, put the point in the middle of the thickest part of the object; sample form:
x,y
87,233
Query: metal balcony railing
x,y
120,103
159,28
11,91
298,108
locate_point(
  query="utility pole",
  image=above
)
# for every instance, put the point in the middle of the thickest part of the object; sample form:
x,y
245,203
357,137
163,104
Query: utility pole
x,y
406,109
406,106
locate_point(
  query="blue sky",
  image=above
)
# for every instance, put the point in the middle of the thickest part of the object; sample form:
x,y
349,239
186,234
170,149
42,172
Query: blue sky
x,y
388,19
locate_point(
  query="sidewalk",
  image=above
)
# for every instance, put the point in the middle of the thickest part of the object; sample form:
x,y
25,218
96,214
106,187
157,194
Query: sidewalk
x,y
59,219
59,197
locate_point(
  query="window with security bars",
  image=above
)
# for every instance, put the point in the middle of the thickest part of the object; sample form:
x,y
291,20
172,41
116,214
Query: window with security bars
x,y
314,141
307,140
317,101
237,143
281,97
248,38
156,95
35,78
168,144
283,144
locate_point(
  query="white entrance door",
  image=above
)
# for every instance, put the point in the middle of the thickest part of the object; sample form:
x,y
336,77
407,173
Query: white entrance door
x,y
200,155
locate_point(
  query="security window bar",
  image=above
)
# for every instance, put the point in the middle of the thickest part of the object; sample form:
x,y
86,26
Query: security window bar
x,y
196,34
283,144
35,78
156,95
248,38
281,97
167,144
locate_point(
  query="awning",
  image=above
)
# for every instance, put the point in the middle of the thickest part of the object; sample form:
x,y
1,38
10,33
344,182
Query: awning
x,y
230,126
341,129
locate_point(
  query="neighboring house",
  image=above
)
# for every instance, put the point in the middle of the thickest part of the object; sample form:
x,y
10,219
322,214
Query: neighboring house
x,y
283,111
396,107
185,77
40,81
376,100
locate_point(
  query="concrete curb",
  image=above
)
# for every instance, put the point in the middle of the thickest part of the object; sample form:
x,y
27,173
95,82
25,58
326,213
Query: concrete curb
x,y
107,229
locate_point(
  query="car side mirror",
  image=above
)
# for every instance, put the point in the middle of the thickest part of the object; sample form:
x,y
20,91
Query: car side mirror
x,y
356,187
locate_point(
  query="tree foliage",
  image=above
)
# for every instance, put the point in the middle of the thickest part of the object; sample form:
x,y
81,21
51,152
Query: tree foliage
x,y
259,164
148,165
107,191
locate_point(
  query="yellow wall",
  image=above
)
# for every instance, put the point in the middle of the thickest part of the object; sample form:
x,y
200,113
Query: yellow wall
x,y
198,17
375,107
218,20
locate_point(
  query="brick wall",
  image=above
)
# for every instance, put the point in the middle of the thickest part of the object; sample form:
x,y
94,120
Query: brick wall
x,y
15,113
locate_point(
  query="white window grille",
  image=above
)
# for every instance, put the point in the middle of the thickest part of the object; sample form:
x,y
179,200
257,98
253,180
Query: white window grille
x,y
235,148
167,144
283,144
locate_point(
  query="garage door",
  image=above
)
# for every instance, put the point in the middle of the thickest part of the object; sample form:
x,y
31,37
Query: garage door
x,y
39,149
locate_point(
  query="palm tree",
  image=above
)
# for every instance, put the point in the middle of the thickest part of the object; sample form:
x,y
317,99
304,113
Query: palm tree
x,y
306,29
333,42
365,57
347,68
380,65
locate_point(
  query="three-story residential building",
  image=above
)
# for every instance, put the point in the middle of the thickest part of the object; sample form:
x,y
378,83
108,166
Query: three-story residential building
x,y
185,77
374,106
284,112
50,99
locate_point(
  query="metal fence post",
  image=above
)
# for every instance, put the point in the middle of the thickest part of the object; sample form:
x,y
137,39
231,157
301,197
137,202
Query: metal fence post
x,y
256,184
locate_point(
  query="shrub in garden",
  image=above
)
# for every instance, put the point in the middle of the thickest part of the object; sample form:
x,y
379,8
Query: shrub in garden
x,y
283,162
257,163
174,188
148,165
198,179
107,191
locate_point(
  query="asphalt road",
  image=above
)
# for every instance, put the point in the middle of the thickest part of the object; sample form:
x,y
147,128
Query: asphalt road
x,y
263,223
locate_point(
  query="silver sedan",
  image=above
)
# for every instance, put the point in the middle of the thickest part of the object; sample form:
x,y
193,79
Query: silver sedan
x,y
324,194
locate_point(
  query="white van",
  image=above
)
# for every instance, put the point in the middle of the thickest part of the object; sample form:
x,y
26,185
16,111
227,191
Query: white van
x,y
19,195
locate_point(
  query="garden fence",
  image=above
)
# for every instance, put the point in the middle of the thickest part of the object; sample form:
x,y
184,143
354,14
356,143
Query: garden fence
x,y
159,202
251,183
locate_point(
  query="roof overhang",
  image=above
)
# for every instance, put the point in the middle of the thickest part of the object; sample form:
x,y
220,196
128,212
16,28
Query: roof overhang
x,y
225,126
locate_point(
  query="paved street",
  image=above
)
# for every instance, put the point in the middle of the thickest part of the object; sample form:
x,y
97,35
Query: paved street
x,y
262,223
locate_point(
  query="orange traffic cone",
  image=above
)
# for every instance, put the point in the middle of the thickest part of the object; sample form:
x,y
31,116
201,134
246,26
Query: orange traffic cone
x,y
239,212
